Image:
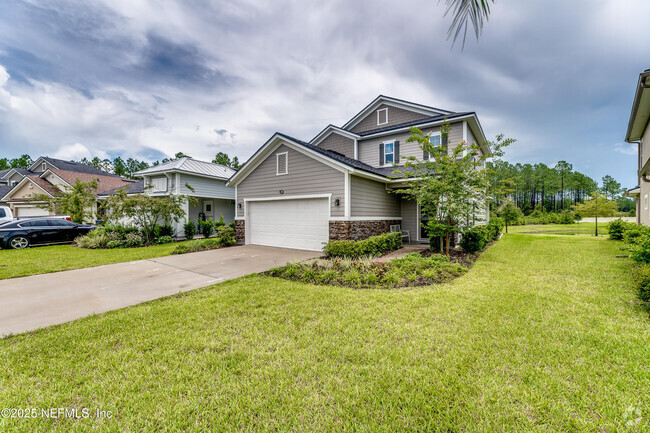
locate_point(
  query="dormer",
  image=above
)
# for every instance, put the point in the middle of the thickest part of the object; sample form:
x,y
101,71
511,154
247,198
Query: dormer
x,y
338,140
41,165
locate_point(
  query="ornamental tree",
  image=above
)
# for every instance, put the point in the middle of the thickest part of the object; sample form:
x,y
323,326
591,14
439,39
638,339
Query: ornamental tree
x,y
595,207
77,200
449,185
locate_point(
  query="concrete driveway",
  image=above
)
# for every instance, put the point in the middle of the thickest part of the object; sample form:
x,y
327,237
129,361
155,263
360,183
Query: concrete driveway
x,y
49,299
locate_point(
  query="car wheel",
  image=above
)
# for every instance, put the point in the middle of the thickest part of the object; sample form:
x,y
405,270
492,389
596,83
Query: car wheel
x,y
19,242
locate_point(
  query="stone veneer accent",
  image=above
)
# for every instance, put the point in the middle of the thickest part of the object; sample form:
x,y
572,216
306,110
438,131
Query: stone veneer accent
x,y
240,231
356,230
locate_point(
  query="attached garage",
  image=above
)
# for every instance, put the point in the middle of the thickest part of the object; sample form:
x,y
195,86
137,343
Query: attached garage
x,y
25,211
289,223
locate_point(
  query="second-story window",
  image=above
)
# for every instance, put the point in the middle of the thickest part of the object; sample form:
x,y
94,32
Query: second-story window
x,y
389,152
436,141
382,116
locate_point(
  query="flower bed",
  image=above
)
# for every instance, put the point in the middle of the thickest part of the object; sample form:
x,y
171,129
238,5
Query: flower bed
x,y
411,270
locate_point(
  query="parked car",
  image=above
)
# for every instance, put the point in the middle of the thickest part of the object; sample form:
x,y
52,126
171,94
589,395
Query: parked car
x,y
21,233
5,214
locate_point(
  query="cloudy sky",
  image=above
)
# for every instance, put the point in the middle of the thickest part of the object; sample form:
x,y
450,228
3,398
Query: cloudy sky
x,y
150,78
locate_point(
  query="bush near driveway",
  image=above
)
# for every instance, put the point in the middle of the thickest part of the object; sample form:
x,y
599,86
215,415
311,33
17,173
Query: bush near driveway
x,y
411,270
371,247
225,237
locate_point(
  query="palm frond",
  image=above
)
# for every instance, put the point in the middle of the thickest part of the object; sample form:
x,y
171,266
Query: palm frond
x,y
466,11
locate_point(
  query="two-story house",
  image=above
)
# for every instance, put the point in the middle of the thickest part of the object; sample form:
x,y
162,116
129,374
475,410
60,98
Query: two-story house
x,y
638,133
296,194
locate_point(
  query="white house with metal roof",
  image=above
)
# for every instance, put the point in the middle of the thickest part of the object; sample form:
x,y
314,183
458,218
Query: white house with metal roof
x,y
204,180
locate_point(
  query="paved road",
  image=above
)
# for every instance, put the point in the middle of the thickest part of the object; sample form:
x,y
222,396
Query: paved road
x,y
42,300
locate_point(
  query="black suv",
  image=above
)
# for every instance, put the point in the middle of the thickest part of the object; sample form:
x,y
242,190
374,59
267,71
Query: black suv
x,y
19,234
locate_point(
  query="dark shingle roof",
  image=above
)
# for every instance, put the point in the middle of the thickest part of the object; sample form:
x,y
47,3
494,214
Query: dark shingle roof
x,y
414,123
130,188
22,171
4,190
76,166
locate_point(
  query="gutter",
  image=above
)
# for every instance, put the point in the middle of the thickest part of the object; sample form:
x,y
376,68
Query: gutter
x,y
637,100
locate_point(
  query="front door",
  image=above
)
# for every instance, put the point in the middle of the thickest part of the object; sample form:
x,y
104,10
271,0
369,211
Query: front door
x,y
208,209
424,219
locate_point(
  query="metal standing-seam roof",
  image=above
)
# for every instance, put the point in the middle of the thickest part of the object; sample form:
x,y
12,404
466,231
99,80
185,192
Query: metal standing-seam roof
x,y
191,166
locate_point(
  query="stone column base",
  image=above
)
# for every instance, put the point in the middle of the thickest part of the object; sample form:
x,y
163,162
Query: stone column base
x,y
240,231
357,230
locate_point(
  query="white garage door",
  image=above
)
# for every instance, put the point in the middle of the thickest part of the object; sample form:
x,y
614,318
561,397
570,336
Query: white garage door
x,y
302,224
31,211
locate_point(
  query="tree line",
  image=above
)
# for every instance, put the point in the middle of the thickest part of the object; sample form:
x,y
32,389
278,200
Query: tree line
x,y
119,166
550,189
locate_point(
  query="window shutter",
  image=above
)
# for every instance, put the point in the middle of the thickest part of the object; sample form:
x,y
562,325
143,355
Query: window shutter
x,y
425,156
381,153
396,150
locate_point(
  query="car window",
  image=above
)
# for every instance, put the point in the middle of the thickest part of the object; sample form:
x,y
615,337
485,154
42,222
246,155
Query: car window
x,y
3,213
34,223
60,223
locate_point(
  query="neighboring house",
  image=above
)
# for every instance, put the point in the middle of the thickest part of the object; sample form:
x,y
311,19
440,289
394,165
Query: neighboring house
x,y
186,176
18,186
637,133
299,195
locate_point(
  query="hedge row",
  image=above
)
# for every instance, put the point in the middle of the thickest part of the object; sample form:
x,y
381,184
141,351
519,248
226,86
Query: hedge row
x,y
637,239
476,238
371,247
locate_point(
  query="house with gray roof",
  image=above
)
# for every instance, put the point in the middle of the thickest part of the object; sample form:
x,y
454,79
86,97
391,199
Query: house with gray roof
x,y
298,194
203,180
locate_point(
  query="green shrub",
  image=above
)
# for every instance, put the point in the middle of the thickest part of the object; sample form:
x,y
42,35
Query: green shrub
x,y
120,229
227,235
93,240
642,278
165,230
198,245
495,227
165,240
373,246
617,228
474,239
634,233
189,228
206,227
133,239
114,244
219,223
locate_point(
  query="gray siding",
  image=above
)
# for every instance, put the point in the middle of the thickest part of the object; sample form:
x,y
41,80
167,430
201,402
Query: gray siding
x,y
370,199
306,176
410,218
369,149
339,143
395,117
644,212
205,187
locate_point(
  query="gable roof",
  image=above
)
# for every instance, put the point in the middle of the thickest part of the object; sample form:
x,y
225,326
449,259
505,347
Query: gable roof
x,y
640,113
69,166
191,166
394,102
10,171
4,190
44,185
104,183
129,188
329,129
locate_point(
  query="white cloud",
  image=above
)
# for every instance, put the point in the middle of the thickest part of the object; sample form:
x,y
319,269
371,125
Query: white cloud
x,y
626,148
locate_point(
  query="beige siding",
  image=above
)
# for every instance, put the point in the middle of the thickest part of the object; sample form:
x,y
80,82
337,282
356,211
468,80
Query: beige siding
x,y
306,176
27,191
396,116
369,149
338,143
16,177
370,198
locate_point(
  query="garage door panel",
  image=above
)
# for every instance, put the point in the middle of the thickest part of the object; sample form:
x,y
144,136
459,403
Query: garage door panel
x,y
300,224
31,211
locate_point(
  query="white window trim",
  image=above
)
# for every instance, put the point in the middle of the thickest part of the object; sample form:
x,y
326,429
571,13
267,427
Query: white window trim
x,y
44,166
389,164
277,163
382,123
439,134
645,201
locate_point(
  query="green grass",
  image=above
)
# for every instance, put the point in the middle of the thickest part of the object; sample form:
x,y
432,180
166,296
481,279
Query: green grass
x,y
543,334
561,229
43,260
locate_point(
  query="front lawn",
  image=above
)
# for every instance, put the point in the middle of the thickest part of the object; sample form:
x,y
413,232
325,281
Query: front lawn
x,y
543,333
42,260
561,229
